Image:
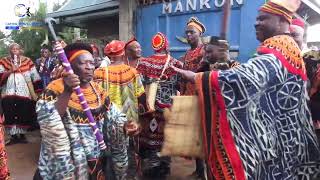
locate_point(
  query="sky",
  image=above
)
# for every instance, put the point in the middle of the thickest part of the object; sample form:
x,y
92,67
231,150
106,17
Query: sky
x,y
7,15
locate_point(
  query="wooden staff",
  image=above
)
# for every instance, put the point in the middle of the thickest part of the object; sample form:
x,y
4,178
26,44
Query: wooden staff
x,y
225,20
65,62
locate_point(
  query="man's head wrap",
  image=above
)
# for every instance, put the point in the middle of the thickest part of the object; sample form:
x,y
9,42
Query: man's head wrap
x,y
194,22
283,8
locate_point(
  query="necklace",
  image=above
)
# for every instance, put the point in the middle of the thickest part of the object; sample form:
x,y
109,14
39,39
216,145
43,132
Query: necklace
x,y
96,93
14,61
89,96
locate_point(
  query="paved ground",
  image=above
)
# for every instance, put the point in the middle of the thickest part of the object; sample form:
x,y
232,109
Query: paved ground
x,y
23,161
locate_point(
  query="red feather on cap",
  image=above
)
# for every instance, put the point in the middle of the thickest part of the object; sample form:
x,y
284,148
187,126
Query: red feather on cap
x,y
298,22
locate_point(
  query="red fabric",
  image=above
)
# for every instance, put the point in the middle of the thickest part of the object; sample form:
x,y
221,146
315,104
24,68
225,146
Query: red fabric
x,y
298,22
4,171
70,53
4,77
133,39
152,66
226,135
114,48
291,69
160,42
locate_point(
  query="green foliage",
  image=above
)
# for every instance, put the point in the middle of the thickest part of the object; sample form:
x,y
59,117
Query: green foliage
x,y
3,46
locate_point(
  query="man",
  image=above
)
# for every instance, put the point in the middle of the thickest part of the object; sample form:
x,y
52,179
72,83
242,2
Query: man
x,y
191,60
45,65
96,55
312,63
297,31
216,56
255,117
124,86
19,82
156,69
121,81
66,130
133,52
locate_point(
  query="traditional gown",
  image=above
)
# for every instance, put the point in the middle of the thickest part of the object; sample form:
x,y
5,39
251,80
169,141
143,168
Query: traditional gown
x,y
191,61
151,137
124,86
4,172
17,103
69,149
256,119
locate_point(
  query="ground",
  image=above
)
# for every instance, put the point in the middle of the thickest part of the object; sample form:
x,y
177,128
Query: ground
x,y
23,159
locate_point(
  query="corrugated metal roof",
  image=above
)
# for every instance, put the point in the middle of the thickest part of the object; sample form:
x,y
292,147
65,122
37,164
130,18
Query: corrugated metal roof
x,y
75,7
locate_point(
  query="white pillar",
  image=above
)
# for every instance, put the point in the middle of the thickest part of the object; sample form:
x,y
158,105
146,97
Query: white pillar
x,y
126,19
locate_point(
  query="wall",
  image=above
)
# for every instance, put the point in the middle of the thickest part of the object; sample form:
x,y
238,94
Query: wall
x,y
104,29
241,36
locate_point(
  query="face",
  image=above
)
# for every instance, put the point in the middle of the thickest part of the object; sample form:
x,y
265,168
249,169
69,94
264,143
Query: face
x,y
97,61
83,66
134,50
212,53
45,53
297,33
267,25
192,35
15,50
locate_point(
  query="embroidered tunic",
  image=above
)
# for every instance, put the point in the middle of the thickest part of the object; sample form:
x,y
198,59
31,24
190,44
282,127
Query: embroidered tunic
x,y
124,86
69,148
255,117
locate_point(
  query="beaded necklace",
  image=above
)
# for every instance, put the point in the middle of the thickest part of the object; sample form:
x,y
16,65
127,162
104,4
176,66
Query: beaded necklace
x,y
75,101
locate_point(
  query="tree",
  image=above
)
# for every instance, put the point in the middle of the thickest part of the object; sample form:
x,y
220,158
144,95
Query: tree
x,y
3,46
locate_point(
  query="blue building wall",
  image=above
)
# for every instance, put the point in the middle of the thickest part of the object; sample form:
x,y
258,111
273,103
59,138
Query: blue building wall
x,y
241,36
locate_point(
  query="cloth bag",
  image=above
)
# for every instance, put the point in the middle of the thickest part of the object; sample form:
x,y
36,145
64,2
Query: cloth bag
x,y
182,131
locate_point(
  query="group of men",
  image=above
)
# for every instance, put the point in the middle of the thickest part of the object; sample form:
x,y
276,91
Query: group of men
x,y
255,116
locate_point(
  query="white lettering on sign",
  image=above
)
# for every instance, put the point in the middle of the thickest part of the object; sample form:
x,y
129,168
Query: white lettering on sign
x,y
220,4
204,3
166,8
179,7
191,5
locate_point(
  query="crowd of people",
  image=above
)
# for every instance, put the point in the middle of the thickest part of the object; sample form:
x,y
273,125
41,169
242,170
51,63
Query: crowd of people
x,y
257,119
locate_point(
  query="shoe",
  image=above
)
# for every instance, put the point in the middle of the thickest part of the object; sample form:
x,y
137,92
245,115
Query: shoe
x,y
13,140
23,139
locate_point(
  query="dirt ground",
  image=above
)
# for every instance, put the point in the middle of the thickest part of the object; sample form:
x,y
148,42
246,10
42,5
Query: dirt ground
x,y
23,159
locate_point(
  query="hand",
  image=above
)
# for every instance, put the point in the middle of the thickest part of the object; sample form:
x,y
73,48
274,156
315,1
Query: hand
x,y
70,81
188,75
34,97
132,128
14,69
57,72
